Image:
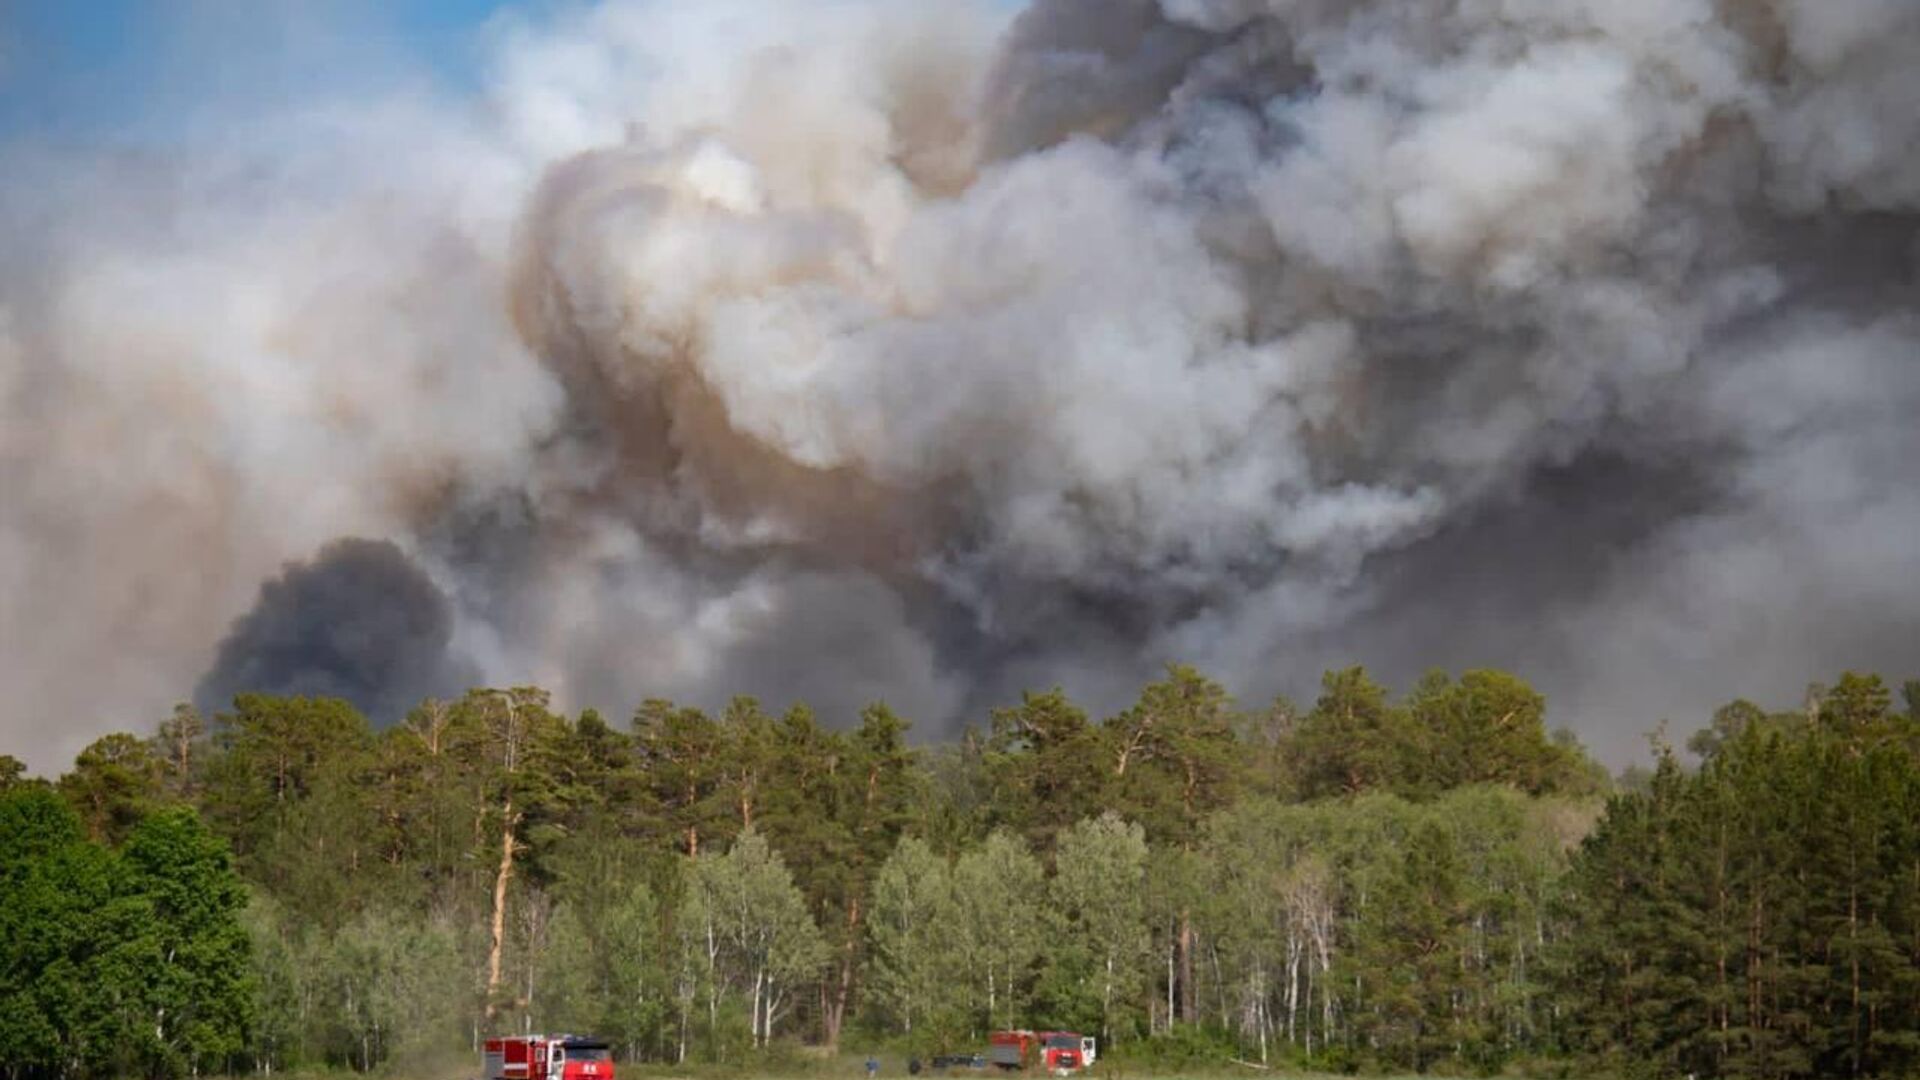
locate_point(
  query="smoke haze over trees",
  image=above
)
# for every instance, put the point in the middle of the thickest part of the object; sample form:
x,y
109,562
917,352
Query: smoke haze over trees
x,y
918,349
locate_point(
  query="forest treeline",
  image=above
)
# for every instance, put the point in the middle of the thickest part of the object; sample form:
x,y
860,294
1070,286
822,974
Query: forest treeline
x,y
1430,882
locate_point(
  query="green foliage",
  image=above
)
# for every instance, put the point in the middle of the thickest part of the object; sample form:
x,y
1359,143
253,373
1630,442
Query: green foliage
x,y
1759,917
279,990
273,753
13,773
1380,882
118,962
914,915
755,936
682,749
114,782
179,745
51,886
1179,1049
1047,765
1384,929
1355,740
1100,869
602,966
381,986
200,979
1489,728
1000,929
1175,755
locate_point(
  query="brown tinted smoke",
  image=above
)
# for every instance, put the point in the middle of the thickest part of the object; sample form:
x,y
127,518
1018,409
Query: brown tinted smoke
x,y
886,348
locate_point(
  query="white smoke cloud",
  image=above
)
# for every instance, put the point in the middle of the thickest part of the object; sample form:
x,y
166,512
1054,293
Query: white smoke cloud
x,y
860,348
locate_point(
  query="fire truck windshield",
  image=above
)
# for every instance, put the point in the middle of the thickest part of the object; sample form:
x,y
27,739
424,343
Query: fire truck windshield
x,y
1063,1042
587,1052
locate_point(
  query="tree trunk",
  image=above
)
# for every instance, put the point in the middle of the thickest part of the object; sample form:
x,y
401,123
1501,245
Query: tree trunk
x,y
1187,996
772,1010
713,980
990,989
1853,949
753,1018
1173,979
1260,1016
693,827
837,1010
1293,984
499,926
1106,1003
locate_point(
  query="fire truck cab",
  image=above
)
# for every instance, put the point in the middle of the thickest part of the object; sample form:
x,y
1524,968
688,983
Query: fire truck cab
x,y
547,1057
1063,1052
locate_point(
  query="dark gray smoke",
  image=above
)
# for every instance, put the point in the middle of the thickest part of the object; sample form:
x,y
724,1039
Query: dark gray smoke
x,y
893,347
360,622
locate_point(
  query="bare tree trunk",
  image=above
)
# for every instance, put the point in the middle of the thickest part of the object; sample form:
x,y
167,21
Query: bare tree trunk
x,y
772,1009
1261,1017
1326,994
837,1010
1308,1026
1293,983
713,979
535,917
990,995
499,925
1187,996
1106,1003
753,1019
1173,978
510,732
1219,985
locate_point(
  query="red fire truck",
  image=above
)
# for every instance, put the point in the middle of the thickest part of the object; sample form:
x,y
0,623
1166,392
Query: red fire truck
x,y
1058,1052
547,1057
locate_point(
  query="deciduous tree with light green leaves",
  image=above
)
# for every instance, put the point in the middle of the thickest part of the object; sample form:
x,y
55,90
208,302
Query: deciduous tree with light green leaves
x,y
387,983
1100,870
911,928
599,966
762,944
1000,918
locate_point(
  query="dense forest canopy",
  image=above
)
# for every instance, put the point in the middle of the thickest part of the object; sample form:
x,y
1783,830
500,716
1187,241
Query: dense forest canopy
x,y
1422,881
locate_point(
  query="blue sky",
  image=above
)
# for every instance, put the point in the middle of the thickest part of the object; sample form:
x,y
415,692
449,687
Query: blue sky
x,y
125,69
134,70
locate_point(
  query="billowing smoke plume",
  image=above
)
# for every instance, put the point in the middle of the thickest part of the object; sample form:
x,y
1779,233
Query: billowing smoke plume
x,y
893,347
360,622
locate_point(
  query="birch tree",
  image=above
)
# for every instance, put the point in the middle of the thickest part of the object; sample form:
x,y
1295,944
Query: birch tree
x,y
598,970
999,893
760,939
1098,889
911,932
